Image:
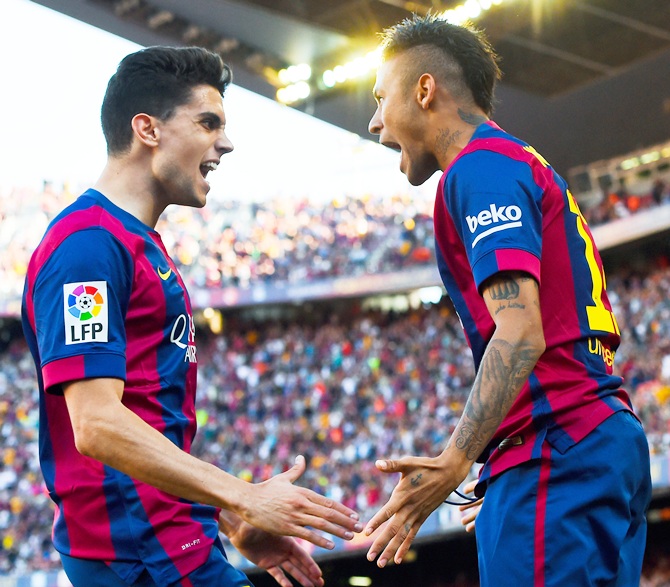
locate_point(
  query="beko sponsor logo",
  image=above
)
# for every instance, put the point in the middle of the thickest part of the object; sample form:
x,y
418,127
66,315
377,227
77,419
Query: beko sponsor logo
x,y
497,218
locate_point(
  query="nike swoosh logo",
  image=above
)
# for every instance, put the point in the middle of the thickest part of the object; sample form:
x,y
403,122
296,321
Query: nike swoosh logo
x,y
165,275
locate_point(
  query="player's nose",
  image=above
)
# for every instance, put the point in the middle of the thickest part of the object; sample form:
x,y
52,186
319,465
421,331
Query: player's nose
x,y
375,124
223,144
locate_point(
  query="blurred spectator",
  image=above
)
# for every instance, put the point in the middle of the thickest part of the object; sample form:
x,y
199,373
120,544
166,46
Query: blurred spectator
x,y
659,192
340,388
236,244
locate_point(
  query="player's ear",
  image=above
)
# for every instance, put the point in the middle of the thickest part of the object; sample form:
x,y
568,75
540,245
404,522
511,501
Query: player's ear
x,y
425,90
145,129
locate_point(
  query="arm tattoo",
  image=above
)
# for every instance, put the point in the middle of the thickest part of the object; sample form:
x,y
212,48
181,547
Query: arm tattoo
x,y
502,373
505,290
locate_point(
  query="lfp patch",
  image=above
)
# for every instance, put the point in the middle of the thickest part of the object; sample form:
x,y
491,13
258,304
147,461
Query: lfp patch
x,y
85,312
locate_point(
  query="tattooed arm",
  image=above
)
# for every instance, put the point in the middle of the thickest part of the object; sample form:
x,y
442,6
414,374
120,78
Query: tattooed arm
x,y
517,343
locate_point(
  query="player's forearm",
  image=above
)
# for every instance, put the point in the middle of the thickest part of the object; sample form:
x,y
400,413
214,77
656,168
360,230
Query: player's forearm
x,y
502,373
120,439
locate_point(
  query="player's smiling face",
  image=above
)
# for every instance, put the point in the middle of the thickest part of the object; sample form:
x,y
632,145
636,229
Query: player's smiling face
x,y
191,143
399,120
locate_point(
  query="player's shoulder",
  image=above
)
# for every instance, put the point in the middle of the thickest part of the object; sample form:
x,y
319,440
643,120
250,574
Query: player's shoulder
x,y
83,230
93,214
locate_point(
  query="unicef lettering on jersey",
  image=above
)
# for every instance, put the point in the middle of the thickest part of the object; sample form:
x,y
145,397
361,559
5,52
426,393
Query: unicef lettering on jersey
x,y
85,311
493,219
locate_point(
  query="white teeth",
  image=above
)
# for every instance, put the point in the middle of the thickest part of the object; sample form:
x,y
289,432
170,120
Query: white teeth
x,y
211,165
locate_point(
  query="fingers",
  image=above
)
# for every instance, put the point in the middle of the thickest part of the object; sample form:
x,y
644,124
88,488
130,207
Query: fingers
x,y
468,520
343,512
303,575
302,567
278,575
315,514
379,518
472,509
296,471
320,524
469,487
296,511
301,559
331,517
334,511
470,505
388,466
398,541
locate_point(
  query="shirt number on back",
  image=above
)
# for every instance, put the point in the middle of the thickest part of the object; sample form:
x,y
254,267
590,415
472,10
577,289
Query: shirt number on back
x,y
599,317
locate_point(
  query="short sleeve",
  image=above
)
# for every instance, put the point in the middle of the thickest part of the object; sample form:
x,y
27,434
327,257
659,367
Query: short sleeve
x,y
497,211
80,300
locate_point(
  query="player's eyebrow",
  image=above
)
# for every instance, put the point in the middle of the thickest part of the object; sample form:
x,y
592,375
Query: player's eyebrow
x,y
213,117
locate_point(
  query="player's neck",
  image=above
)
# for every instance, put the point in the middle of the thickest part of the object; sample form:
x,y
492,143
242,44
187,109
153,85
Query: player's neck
x,y
130,191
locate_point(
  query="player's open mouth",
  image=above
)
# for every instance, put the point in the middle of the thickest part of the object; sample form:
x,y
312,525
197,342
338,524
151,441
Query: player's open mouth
x,y
394,146
205,168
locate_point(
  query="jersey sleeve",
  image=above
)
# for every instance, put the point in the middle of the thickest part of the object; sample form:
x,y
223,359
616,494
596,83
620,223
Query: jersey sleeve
x,y
80,300
497,210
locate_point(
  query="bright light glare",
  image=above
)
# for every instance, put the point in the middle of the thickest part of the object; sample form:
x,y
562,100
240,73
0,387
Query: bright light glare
x,y
295,74
469,10
356,68
473,8
329,78
293,93
360,581
430,295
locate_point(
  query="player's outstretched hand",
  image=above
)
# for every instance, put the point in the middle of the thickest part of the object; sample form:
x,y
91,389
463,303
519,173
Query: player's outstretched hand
x,y
279,507
471,509
424,484
278,555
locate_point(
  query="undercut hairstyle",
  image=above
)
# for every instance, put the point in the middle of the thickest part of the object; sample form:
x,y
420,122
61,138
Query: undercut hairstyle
x,y
458,56
156,81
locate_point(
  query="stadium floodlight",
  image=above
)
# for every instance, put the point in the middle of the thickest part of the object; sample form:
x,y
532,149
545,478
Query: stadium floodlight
x,y
631,163
362,66
294,74
650,157
473,8
294,93
469,10
328,78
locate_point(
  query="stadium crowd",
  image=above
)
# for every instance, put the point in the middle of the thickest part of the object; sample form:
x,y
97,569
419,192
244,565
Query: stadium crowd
x,y
620,203
342,388
236,244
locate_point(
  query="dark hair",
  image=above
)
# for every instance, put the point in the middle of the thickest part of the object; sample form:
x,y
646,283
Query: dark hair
x,y
156,80
459,56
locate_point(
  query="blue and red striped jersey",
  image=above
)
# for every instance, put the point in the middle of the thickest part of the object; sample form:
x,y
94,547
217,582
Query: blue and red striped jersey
x,y
103,299
501,207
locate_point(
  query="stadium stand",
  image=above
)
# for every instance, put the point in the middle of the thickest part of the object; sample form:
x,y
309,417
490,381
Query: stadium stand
x,y
342,378
231,244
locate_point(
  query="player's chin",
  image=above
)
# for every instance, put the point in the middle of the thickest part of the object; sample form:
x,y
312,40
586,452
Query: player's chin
x,y
199,196
418,176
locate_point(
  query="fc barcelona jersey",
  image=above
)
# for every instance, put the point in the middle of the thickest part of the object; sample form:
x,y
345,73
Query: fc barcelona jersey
x,y
501,207
103,299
